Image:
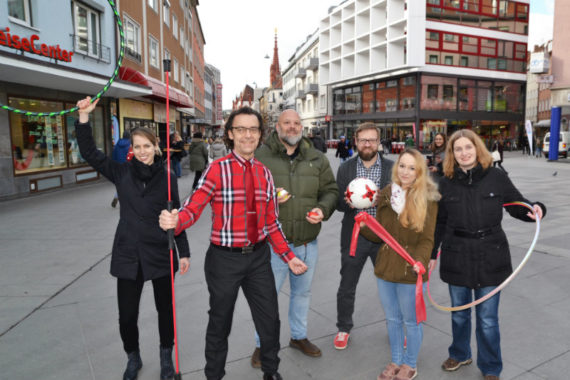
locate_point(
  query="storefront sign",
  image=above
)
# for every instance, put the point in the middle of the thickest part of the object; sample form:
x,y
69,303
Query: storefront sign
x,y
33,45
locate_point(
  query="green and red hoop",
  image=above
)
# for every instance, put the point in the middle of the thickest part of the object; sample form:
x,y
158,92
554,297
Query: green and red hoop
x,y
100,93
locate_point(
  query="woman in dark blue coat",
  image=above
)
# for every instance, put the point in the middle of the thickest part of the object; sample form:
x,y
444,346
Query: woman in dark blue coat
x,y
475,255
140,249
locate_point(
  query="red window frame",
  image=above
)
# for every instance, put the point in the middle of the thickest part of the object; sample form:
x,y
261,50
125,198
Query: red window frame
x,y
439,4
523,47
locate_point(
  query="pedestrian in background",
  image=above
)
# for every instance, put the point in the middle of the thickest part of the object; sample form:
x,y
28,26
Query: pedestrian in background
x,y
218,149
438,146
241,193
311,198
318,141
342,149
177,153
499,146
475,255
367,164
140,249
198,157
538,146
407,209
119,154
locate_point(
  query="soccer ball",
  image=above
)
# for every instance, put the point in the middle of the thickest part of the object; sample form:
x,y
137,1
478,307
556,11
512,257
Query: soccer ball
x,y
362,193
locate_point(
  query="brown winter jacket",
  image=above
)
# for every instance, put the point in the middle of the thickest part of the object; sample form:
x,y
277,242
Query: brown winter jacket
x,y
390,266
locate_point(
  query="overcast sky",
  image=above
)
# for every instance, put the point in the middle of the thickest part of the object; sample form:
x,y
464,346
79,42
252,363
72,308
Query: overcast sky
x,y
240,33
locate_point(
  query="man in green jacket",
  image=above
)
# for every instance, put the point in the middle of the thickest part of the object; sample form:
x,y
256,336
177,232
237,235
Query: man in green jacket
x,y
307,195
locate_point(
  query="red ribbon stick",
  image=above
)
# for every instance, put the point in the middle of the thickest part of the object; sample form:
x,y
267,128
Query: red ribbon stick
x,y
377,228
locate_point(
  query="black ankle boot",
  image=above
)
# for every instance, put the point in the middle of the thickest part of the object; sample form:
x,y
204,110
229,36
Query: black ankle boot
x,y
134,364
166,367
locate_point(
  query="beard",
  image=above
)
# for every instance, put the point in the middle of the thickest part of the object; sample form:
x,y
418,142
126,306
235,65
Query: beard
x,y
367,155
290,140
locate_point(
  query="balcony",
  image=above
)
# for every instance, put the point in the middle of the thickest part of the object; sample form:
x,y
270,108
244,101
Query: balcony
x,y
313,64
301,73
300,94
312,89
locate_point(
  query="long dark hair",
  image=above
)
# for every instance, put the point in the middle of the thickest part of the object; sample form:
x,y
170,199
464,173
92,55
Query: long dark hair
x,y
229,124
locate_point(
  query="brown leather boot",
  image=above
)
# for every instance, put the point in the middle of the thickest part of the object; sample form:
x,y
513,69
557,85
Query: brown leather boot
x,y
305,347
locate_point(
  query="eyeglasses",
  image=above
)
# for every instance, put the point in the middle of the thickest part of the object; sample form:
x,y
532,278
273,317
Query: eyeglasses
x,y
367,141
243,130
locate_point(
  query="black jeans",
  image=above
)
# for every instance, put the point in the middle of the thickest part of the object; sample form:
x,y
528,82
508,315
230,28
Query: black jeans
x,y
226,272
350,269
129,297
196,178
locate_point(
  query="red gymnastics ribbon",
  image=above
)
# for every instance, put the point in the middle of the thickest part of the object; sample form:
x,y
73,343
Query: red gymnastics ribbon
x,y
377,228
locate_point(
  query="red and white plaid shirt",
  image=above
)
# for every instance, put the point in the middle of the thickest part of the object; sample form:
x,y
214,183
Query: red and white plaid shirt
x,y
223,186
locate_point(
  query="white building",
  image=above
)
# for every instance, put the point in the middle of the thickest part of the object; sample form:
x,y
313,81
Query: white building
x,y
301,84
423,66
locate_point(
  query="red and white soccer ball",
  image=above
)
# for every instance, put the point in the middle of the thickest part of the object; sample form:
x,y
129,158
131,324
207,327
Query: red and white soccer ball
x,y
362,193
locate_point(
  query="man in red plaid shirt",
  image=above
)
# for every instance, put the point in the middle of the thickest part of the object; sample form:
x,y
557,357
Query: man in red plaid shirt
x,y
238,256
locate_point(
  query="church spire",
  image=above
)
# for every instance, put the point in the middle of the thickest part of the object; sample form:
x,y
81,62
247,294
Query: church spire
x,y
275,79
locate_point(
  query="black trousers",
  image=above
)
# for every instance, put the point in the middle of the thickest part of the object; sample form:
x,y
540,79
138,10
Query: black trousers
x,y
226,272
129,297
350,270
196,178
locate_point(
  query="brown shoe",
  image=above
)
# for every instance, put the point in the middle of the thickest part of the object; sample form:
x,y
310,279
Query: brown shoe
x,y
491,377
389,372
406,373
305,347
255,358
453,365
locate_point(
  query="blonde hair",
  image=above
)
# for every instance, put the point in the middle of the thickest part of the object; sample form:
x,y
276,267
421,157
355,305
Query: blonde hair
x,y
418,194
483,155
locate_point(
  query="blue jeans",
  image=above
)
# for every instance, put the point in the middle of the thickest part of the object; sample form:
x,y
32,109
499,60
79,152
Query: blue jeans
x,y
300,297
399,304
177,168
487,331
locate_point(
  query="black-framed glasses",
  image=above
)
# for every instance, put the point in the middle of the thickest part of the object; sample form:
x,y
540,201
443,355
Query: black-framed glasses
x,y
244,130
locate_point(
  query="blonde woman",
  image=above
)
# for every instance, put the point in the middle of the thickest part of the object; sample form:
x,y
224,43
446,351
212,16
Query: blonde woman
x,y
475,255
407,209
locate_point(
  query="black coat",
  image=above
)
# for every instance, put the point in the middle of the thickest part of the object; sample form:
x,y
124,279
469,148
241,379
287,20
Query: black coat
x,y
474,248
319,143
346,173
139,240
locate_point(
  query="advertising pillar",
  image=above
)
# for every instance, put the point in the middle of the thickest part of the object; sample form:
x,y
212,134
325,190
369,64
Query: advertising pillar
x,y
554,133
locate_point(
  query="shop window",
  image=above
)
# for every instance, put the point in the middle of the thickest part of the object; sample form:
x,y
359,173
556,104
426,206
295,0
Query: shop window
x,y
132,39
338,101
408,103
153,50
432,91
368,98
86,27
47,143
20,10
353,103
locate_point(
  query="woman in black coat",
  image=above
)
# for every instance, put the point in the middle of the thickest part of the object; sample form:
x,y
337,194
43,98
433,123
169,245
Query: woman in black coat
x,y
475,255
140,249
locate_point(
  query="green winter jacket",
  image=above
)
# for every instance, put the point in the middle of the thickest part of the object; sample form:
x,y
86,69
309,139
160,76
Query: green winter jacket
x,y
198,155
309,180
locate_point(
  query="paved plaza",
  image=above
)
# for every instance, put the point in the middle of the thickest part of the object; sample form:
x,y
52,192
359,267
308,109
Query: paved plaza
x,y
58,307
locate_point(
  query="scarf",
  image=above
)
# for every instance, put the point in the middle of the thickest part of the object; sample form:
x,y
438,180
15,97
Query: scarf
x,y
145,172
398,199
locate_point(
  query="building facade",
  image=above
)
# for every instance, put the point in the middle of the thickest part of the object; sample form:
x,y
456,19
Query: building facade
x,y
560,89
417,67
539,81
301,85
81,54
